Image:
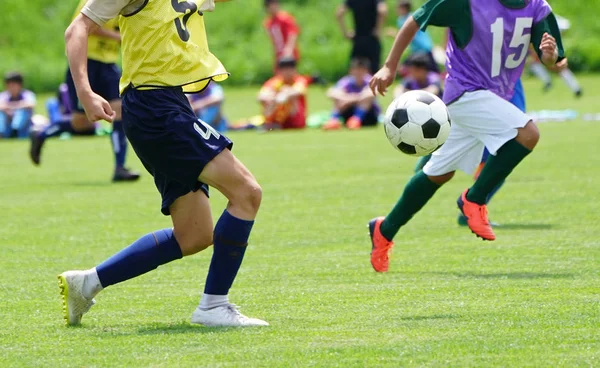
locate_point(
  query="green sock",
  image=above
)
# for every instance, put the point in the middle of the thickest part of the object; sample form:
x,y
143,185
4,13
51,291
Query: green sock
x,y
422,162
496,169
416,193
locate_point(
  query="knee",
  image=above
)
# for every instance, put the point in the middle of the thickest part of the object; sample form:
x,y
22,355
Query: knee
x,y
192,243
251,195
441,179
529,135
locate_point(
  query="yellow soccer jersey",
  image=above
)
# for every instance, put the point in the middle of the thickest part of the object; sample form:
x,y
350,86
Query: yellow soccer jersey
x,y
164,45
105,50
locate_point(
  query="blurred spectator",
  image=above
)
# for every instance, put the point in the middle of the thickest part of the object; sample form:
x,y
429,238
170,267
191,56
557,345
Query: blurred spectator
x,y
283,97
59,111
208,104
418,76
369,18
16,107
283,31
353,100
422,42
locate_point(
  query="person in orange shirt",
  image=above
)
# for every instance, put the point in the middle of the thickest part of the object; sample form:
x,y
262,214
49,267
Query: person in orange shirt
x,y
283,31
283,97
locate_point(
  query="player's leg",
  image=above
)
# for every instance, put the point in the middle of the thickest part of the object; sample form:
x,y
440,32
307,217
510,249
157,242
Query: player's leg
x,y
571,81
106,84
539,70
510,136
4,125
461,151
341,112
232,231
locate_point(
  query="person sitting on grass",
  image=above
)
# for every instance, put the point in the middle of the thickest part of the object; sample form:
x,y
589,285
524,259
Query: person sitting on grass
x,y
16,107
354,103
283,97
419,77
207,106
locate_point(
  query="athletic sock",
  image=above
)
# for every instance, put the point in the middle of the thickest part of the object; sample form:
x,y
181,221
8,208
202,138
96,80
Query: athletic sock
x,y
493,192
417,192
570,80
91,284
421,163
119,143
541,72
144,255
360,113
496,169
230,242
57,129
336,115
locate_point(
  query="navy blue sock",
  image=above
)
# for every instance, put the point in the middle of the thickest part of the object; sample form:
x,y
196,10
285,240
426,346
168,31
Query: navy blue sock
x,y
360,113
144,255
230,239
57,129
336,115
119,143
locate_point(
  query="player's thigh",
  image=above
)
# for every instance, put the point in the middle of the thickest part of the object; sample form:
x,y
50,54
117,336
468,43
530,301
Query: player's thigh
x,y
230,176
192,222
462,151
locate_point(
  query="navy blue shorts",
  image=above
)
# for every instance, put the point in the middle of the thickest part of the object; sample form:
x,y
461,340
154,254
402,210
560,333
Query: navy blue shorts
x,y
171,142
104,80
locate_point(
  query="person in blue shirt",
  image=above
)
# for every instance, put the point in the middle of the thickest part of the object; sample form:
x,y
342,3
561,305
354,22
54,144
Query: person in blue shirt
x,y
422,42
16,107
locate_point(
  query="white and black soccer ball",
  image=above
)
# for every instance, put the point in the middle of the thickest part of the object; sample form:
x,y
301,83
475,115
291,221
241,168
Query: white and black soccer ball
x,y
417,123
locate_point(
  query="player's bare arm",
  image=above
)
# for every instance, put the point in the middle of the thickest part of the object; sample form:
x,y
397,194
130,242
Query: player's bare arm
x,y
76,38
340,13
385,76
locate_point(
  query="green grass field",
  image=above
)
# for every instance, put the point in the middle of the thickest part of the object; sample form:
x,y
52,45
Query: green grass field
x,y
532,298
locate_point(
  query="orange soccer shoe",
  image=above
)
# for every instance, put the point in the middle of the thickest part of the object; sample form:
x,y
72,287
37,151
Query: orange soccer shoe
x,y
477,217
381,247
332,124
354,123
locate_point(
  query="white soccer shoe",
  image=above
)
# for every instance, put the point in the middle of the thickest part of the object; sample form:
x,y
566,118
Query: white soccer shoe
x,y
75,305
225,316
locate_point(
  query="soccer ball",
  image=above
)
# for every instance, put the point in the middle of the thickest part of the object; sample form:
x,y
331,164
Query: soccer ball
x,y
417,123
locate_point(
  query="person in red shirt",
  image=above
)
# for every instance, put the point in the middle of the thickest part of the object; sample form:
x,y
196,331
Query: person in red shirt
x,y
283,30
283,97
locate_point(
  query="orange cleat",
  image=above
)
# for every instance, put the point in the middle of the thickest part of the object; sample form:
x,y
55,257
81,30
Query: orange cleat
x,y
354,123
381,247
333,124
477,217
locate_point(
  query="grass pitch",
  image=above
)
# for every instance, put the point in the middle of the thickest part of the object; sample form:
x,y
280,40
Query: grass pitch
x,y
531,298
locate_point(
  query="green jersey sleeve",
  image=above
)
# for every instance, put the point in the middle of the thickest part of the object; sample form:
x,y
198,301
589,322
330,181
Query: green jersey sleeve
x,y
547,25
453,14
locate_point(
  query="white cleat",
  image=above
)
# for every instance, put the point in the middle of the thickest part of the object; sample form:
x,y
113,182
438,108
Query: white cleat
x,y
225,316
75,305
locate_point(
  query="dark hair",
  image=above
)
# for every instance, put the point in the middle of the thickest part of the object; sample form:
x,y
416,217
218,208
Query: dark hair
x,y
14,77
287,62
405,4
418,60
269,2
359,62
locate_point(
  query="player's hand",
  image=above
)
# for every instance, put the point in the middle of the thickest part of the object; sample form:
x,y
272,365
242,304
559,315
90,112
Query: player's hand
x,y
549,50
97,108
381,81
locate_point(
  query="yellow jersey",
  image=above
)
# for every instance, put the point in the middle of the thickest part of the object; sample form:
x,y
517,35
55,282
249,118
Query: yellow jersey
x,y
102,49
164,45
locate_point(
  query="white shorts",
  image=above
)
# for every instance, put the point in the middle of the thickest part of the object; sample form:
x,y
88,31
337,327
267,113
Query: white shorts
x,y
479,119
